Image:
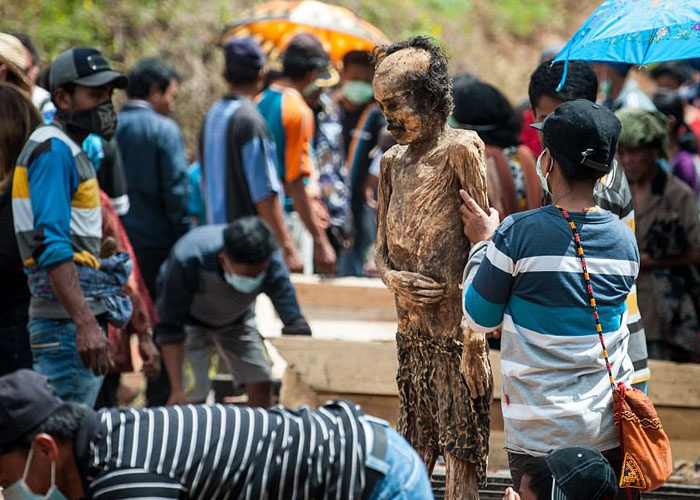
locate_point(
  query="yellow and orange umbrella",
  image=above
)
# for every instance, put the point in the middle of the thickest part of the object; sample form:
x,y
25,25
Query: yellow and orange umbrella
x,y
275,23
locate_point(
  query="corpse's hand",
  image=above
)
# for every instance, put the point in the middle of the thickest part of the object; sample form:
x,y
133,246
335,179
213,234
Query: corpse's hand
x,y
478,225
421,290
477,368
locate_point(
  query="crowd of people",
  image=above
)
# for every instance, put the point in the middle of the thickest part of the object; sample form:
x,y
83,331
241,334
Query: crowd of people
x,y
107,226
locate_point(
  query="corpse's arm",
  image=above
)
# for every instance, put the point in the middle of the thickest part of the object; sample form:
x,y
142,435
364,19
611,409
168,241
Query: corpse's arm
x,y
421,290
470,163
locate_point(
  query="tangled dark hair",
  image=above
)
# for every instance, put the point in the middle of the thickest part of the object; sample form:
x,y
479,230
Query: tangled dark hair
x,y
249,240
581,82
432,90
484,109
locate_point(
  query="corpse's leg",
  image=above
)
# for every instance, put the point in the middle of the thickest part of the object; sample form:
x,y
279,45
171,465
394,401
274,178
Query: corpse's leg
x,y
461,482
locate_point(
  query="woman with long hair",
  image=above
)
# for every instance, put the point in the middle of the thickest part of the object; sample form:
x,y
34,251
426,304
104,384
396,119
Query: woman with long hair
x,y
18,118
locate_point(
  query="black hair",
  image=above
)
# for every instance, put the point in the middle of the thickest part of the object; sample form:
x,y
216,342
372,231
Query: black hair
x,y
249,240
147,73
581,82
68,87
358,57
481,107
62,424
679,71
671,103
431,89
29,45
574,172
540,477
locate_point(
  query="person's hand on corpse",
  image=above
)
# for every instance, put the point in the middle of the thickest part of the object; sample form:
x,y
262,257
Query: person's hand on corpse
x,y
478,225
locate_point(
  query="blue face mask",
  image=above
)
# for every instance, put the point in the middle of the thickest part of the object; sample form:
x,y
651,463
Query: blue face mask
x,y
20,491
543,177
245,284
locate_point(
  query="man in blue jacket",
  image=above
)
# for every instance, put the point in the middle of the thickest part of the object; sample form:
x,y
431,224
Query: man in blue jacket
x,y
153,151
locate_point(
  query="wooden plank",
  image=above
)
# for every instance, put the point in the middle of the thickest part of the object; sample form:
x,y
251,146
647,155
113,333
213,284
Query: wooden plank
x,y
365,372
674,384
342,366
351,294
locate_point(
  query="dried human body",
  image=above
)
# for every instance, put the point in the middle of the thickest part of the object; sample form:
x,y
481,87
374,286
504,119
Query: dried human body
x,y
421,252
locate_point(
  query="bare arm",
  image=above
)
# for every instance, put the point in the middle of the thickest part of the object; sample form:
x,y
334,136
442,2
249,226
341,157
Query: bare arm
x,y
270,211
91,341
324,255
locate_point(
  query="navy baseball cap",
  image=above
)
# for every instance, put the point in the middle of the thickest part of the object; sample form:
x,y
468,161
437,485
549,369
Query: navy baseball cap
x,y
243,56
27,399
581,472
582,132
84,66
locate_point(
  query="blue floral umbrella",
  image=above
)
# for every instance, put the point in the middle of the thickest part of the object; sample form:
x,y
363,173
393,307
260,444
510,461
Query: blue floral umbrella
x,y
636,32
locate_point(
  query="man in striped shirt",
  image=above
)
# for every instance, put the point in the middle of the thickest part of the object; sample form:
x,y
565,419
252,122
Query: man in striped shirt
x,y
612,192
197,452
58,224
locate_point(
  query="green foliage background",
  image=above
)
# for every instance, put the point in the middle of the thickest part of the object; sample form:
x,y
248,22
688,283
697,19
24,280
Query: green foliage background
x,y
499,40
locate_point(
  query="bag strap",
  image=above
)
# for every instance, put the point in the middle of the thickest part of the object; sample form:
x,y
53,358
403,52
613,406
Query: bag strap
x,y
589,289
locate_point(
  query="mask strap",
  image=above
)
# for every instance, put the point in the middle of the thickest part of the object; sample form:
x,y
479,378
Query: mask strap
x,y
551,166
29,462
53,473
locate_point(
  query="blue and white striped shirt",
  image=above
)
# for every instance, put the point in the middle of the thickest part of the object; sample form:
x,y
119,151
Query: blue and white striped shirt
x,y
529,280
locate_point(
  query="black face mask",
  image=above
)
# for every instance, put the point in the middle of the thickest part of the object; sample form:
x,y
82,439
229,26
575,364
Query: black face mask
x,y
100,120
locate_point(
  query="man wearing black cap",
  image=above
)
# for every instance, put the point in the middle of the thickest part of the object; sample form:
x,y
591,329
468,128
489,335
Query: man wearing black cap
x,y
56,209
291,123
567,473
59,451
555,374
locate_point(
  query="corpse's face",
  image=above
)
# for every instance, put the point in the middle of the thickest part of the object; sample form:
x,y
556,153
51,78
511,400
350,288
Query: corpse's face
x,y
405,121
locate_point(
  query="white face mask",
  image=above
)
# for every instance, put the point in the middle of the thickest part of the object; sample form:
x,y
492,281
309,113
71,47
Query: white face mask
x,y
20,491
543,177
245,284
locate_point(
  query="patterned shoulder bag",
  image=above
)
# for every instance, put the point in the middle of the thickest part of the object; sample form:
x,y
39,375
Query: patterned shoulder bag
x,y
646,450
